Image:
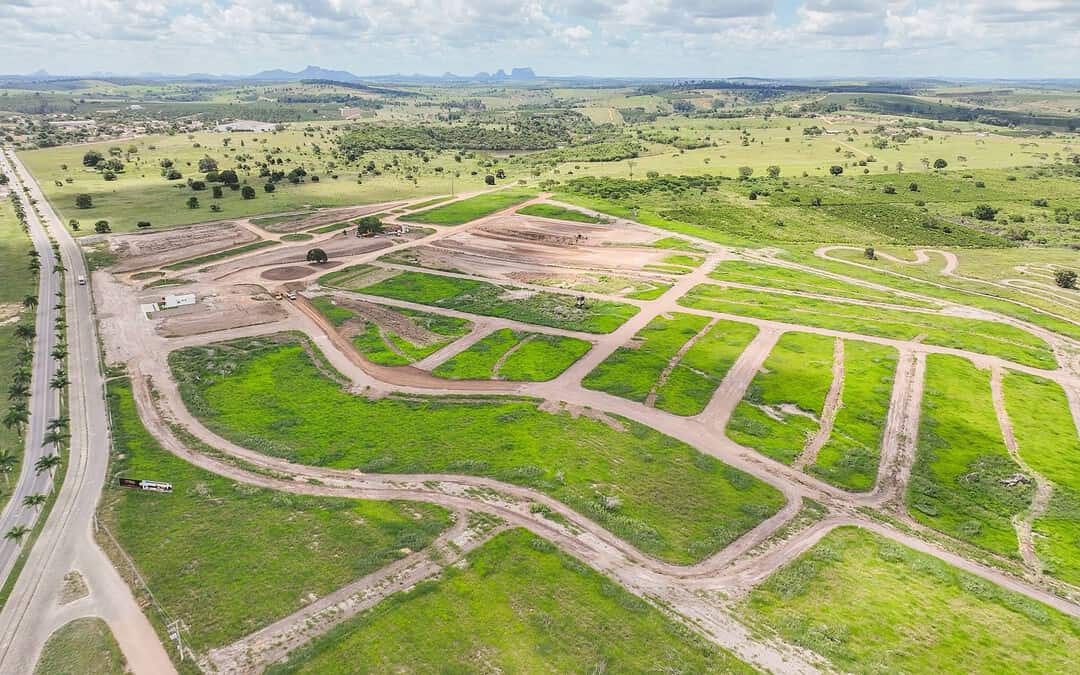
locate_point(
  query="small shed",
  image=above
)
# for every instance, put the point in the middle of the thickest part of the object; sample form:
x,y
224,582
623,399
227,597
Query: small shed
x,y
177,300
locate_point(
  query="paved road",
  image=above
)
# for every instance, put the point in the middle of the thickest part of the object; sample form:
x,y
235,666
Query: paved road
x,y
66,543
44,402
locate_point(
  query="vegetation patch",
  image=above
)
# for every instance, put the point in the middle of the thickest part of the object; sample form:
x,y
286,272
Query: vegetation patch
x,y
694,378
220,255
513,355
79,647
983,337
960,483
1047,440
517,605
633,370
559,213
657,493
479,297
871,605
851,455
782,407
467,210
227,558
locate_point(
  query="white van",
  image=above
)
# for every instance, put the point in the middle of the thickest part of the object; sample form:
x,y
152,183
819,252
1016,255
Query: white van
x,y
82,280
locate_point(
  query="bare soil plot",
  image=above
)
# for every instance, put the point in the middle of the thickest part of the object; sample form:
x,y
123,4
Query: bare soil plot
x,y
339,246
229,307
154,249
327,217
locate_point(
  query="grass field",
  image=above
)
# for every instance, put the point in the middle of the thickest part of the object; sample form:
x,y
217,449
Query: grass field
x,y
657,493
786,279
141,193
633,370
466,210
558,212
782,405
1046,439
870,605
959,290
519,605
851,455
515,356
691,383
80,647
961,460
983,337
221,255
16,282
479,297
227,558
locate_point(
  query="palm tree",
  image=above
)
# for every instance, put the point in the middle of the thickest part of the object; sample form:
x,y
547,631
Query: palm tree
x,y
21,376
17,533
57,423
24,331
53,437
30,301
59,381
17,390
34,500
46,463
59,352
16,417
7,464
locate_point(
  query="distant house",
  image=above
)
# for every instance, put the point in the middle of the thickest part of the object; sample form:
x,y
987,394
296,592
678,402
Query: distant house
x,y
177,300
245,125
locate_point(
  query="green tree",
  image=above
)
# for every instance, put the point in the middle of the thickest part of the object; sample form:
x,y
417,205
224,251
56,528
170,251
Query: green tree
x,y
745,172
142,224
35,500
369,225
193,202
229,177
46,463
773,171
269,187
7,464
83,201
984,212
92,158
940,164
30,301
206,165
17,533
102,227
248,192
1065,278
317,255
836,169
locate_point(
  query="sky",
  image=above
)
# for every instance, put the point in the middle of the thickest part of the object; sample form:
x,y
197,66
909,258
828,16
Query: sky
x,y
627,38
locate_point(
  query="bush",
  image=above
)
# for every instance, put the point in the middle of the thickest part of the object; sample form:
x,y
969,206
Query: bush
x,y
83,201
217,192
984,212
142,224
197,185
836,169
248,192
173,174
489,179
193,202
889,190
914,187
269,187
940,164
92,158
102,227
1065,279
317,255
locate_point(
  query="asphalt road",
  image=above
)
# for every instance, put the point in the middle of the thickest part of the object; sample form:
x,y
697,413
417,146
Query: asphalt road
x,y
44,402
33,612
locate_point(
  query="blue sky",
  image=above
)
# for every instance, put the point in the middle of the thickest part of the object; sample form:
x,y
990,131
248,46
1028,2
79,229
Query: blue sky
x,y
676,38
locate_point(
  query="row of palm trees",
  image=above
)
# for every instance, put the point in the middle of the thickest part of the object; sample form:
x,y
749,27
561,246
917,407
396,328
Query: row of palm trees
x,y
18,412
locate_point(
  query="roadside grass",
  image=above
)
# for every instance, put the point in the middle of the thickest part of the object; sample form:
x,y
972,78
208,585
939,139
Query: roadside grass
x,y
558,213
677,244
478,297
684,260
16,282
297,236
850,458
525,357
517,605
631,371
983,337
956,481
960,291
871,605
430,202
220,255
786,279
227,558
782,406
80,647
1046,439
694,379
467,210
374,347
659,494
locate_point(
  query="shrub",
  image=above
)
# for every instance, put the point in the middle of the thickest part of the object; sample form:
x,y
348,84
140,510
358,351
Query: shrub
x,y
102,227
248,192
142,224
984,212
83,201
1065,279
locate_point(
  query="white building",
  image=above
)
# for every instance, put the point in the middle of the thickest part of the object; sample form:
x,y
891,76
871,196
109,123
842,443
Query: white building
x,y
171,301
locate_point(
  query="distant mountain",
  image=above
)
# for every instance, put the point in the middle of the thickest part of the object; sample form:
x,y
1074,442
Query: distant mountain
x,y
309,73
522,74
